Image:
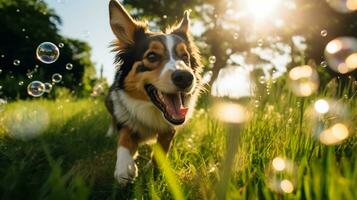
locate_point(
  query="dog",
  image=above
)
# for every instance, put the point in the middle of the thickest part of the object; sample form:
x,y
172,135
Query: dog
x,y
156,85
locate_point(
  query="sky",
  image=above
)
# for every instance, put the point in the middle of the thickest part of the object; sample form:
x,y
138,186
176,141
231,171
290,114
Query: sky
x,y
88,21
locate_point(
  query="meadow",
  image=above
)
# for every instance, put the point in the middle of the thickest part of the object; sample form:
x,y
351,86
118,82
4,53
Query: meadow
x,y
72,158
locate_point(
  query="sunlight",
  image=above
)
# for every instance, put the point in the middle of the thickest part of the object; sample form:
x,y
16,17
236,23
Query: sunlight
x,y
261,9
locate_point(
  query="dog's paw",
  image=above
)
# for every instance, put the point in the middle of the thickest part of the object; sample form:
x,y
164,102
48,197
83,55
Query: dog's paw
x,y
125,169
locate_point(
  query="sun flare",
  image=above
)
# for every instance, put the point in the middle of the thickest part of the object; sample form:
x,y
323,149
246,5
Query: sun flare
x,y
260,9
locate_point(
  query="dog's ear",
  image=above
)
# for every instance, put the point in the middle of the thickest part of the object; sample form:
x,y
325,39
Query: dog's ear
x,y
184,25
122,24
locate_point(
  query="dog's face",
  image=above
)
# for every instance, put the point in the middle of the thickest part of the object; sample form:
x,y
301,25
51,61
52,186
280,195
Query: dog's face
x,y
162,68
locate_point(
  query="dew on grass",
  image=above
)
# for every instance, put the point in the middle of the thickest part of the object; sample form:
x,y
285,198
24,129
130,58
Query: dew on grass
x,y
328,121
69,66
17,62
341,54
36,88
48,87
47,52
212,59
26,122
303,80
56,78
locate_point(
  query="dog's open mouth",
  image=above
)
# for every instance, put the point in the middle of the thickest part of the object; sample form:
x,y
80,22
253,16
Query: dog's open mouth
x,y
171,105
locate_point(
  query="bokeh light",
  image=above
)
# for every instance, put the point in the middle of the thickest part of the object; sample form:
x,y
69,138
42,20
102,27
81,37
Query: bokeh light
x,y
343,6
47,52
230,112
329,121
26,122
303,80
36,88
341,54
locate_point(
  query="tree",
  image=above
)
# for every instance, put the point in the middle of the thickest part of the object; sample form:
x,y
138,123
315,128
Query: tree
x,y
24,25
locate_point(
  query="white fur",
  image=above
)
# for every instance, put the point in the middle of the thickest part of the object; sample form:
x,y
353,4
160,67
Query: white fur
x,y
125,168
111,130
171,64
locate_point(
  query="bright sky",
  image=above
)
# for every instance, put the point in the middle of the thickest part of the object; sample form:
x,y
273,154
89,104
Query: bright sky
x,y
88,21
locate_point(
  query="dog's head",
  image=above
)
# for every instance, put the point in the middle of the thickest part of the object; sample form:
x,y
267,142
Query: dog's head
x,y
162,68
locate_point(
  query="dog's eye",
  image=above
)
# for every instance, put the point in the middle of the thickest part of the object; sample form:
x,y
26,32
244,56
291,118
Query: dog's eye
x,y
152,57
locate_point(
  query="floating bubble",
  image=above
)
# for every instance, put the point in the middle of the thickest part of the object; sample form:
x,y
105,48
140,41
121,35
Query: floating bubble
x,y
281,175
341,54
343,6
323,64
69,66
56,78
61,45
17,62
3,103
48,87
262,80
212,59
36,88
328,121
47,52
235,36
260,42
303,80
323,33
26,122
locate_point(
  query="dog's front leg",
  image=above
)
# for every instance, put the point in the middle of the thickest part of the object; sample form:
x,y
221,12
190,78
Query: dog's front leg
x,y
125,169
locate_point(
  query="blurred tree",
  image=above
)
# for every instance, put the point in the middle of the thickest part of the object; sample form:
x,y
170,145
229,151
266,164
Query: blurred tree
x,y
24,25
229,27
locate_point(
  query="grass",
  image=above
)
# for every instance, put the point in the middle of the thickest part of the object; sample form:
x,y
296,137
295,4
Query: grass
x,y
72,158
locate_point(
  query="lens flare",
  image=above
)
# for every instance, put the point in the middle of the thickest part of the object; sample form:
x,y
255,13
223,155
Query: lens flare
x,y
303,80
341,54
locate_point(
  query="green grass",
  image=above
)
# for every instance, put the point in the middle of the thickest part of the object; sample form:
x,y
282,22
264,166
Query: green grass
x,y
72,158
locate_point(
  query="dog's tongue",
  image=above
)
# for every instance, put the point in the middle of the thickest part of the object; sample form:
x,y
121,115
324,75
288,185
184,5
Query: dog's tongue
x,y
174,106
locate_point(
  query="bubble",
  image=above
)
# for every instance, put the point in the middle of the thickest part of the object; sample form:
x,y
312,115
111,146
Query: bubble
x,y
341,54
323,64
56,78
328,121
17,62
323,33
48,87
303,80
61,45
260,42
36,88
29,75
47,52
3,103
69,66
235,36
212,59
21,83
26,122
281,175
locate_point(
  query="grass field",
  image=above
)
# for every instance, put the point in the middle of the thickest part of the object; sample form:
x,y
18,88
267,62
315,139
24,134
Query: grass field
x,y
72,158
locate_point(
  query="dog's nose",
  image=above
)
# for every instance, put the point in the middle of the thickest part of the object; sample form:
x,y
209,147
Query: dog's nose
x,y
182,78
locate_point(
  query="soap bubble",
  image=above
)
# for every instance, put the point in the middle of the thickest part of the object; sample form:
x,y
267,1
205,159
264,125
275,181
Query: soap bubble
x,y
212,59
3,103
323,33
56,78
47,52
26,122
48,87
36,88
281,175
303,80
260,42
328,121
235,36
323,64
61,45
341,54
69,66
17,62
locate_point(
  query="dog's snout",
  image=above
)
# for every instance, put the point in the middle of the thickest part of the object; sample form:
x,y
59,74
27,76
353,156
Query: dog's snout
x,y
182,78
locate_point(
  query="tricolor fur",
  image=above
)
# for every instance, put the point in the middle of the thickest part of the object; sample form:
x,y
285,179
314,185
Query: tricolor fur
x,y
155,88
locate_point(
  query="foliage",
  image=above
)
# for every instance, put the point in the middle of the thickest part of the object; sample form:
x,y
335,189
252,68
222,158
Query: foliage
x,y
24,25
73,158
